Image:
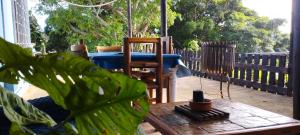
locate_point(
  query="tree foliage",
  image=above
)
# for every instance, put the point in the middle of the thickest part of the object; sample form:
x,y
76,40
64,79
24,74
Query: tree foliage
x,y
105,25
57,39
36,33
226,20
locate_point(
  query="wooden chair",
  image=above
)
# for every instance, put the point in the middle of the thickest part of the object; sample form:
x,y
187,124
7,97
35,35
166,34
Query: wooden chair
x,y
156,64
167,49
80,50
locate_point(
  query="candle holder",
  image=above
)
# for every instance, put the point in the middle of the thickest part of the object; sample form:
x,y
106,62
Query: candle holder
x,y
199,103
198,96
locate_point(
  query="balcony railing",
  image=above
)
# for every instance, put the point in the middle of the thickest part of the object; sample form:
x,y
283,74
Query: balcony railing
x,y
259,71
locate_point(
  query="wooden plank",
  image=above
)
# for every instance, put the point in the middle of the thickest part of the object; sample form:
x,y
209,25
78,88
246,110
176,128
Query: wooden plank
x,y
230,74
187,57
249,70
143,40
256,71
236,69
199,62
183,56
194,62
190,55
290,80
272,74
286,129
280,83
265,61
242,69
159,125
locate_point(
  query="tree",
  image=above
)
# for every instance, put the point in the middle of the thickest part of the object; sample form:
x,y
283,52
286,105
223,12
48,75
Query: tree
x,y
226,20
57,39
36,34
106,24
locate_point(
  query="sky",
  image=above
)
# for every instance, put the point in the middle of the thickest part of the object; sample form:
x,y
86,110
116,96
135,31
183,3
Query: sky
x,y
40,18
269,8
273,9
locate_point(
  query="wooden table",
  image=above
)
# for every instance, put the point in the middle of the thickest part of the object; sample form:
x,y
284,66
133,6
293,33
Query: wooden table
x,y
243,119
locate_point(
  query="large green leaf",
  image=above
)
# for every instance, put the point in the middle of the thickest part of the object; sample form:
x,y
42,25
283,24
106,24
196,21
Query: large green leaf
x,y
100,101
27,113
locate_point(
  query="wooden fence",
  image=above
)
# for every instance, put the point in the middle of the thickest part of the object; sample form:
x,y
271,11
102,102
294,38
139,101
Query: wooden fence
x,y
259,71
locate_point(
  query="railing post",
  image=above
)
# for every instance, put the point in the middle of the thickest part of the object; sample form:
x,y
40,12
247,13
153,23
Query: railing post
x,y
256,71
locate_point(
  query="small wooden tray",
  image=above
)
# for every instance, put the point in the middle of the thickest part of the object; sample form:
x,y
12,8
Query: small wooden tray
x,y
213,114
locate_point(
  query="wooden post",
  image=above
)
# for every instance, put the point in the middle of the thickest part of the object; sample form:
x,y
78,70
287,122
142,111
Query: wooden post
x,y
295,46
163,15
163,25
129,18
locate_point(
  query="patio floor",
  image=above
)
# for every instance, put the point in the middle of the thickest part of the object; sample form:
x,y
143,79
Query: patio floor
x,y
267,101
185,86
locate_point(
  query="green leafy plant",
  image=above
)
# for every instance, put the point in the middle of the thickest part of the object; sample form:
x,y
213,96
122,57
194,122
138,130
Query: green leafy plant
x,y
100,102
192,45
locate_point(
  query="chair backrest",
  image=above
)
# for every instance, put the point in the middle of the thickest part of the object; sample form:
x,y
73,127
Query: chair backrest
x,y
150,48
169,46
108,48
130,42
80,50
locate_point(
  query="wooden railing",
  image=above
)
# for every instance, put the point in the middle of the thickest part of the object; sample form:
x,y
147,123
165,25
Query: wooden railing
x,y
259,71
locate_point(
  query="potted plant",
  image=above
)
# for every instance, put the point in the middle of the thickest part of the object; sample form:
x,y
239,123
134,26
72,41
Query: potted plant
x,y
99,102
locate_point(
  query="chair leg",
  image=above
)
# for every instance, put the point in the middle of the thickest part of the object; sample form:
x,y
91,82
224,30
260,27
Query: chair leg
x,y
150,93
228,85
221,87
166,84
168,89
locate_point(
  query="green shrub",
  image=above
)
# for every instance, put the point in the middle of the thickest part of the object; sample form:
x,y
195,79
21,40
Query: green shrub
x,y
191,45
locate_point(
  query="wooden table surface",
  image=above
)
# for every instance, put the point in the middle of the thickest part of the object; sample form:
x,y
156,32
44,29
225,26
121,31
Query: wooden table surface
x,y
243,119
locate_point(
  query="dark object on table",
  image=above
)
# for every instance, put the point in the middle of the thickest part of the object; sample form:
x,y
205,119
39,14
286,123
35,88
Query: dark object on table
x,y
204,106
198,96
217,59
213,114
